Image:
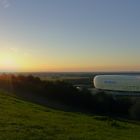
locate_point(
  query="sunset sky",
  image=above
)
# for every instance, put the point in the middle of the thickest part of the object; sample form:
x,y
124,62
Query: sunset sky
x,y
69,35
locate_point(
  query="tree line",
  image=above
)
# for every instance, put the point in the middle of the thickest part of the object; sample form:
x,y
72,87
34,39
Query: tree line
x,y
66,93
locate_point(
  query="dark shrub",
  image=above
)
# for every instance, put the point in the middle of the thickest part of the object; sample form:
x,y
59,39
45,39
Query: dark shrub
x,y
135,111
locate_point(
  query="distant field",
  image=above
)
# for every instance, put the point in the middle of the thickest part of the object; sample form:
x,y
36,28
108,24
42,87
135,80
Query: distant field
x,y
22,120
75,80
64,78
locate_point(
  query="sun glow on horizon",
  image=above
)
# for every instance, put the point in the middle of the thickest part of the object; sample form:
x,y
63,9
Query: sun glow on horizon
x,y
8,63
18,62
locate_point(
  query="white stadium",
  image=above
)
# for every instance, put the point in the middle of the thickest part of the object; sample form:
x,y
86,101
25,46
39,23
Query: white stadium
x,y
118,84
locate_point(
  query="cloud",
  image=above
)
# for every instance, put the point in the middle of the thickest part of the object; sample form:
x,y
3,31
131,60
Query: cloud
x,y
13,49
19,51
5,3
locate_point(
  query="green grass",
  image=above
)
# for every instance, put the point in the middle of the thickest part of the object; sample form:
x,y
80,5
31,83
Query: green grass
x,y
20,120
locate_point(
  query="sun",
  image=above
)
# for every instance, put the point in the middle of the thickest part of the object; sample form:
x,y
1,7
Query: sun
x,y
8,63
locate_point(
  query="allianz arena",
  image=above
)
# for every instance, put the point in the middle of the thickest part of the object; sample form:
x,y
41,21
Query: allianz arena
x,y
118,83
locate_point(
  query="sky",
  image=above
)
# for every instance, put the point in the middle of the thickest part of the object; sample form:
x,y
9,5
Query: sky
x,y
69,35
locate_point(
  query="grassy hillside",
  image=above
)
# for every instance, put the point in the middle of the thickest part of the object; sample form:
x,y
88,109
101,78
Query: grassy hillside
x,y
22,120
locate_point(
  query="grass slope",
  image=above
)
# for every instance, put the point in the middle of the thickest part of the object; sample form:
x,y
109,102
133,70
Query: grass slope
x,y
20,120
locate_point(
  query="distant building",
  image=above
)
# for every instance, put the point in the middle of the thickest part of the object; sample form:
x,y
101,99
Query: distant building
x,y
118,84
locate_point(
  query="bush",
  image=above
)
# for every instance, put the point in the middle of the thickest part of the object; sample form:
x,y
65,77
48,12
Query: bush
x,y
135,111
103,103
